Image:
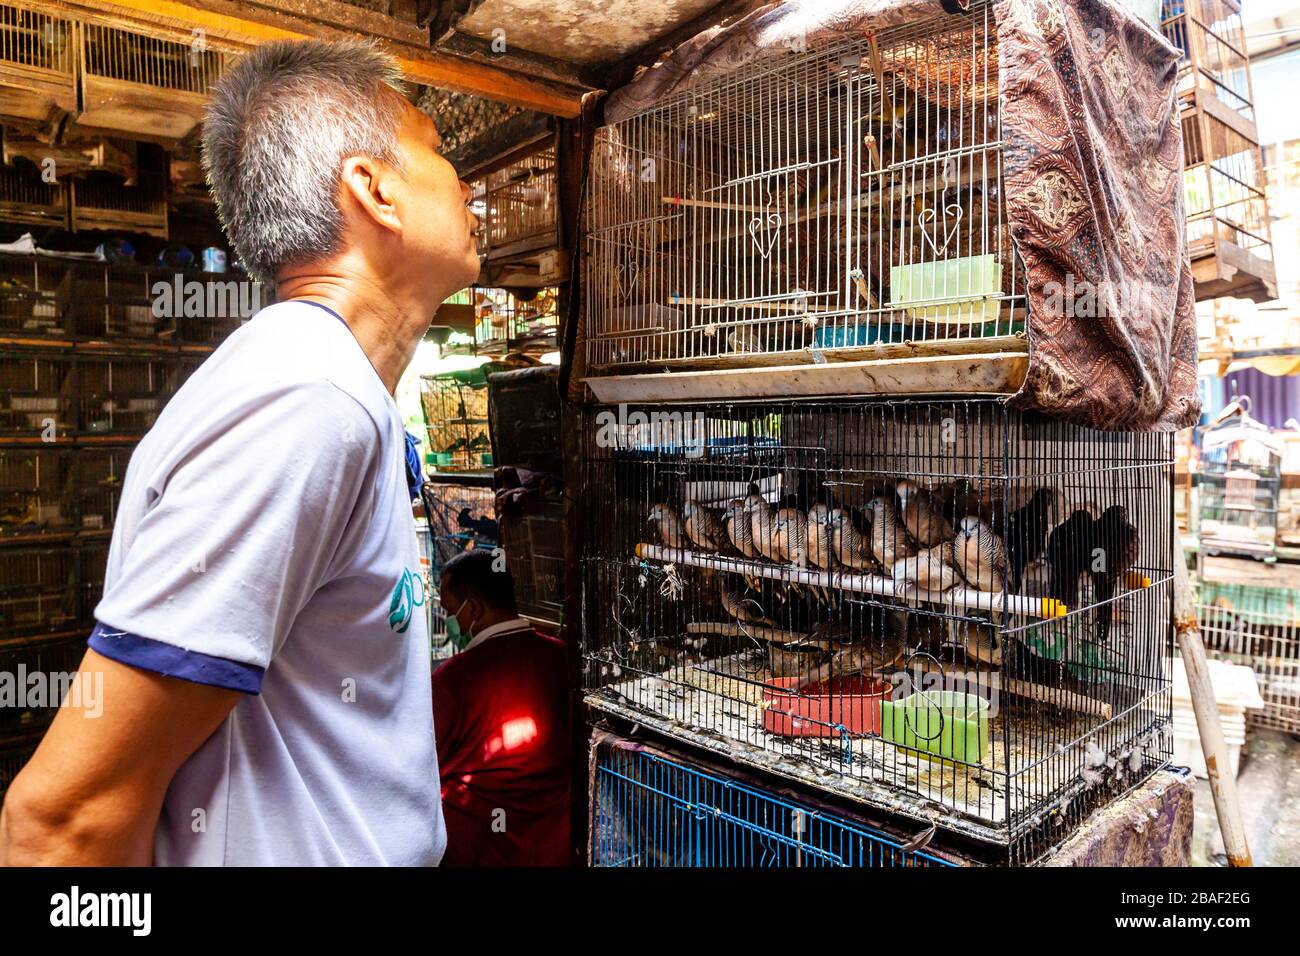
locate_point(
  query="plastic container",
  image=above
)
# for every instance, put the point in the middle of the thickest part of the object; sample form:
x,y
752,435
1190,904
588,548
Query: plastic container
x,y
1236,690
944,724
949,291
834,707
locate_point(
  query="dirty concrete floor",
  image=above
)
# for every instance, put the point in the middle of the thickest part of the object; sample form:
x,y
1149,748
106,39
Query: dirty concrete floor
x,y
1269,789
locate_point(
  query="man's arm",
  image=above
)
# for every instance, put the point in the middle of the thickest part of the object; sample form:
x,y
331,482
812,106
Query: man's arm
x,y
92,793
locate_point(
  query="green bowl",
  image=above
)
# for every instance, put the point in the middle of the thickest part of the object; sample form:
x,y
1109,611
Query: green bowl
x,y
946,724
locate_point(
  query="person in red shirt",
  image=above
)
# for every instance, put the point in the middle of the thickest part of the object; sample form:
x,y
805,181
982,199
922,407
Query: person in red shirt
x,y
501,721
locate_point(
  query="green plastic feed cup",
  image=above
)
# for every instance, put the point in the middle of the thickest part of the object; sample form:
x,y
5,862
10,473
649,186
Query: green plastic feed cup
x,y
950,291
944,724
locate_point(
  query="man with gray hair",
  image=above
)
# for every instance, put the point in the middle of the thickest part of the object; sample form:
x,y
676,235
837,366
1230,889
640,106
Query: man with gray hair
x,y
261,638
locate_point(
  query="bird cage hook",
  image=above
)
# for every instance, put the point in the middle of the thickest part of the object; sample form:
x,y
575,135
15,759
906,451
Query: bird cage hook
x,y
765,227
928,216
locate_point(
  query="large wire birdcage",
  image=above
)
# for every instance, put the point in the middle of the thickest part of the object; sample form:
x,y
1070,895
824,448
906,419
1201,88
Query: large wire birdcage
x,y
653,809
945,606
850,195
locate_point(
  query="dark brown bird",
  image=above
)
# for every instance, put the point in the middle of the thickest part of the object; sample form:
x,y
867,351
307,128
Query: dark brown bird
x,y
1027,533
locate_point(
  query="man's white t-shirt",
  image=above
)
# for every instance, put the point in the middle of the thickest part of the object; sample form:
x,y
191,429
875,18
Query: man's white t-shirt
x,y
265,543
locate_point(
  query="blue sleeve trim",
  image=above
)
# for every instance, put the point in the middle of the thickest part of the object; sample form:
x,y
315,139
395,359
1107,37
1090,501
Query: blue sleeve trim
x,y
172,661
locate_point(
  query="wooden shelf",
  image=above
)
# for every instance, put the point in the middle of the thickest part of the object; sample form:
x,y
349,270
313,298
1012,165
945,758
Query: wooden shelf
x,y
998,373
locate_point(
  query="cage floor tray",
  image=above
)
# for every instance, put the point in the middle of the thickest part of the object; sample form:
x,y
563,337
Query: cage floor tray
x,y
719,704
994,373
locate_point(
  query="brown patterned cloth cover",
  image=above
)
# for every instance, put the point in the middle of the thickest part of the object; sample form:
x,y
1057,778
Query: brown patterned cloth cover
x,y
1093,178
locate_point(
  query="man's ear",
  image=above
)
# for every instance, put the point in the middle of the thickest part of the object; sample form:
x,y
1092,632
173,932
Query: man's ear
x,y
371,186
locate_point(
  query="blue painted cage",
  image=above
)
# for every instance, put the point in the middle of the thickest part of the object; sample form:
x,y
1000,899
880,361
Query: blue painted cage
x,y
653,810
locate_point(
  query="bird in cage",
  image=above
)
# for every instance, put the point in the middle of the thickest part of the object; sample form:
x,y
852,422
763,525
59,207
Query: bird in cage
x,y
921,519
739,604
1068,553
790,532
1119,545
670,526
1026,533
762,518
704,528
933,569
820,552
849,545
1036,579
820,547
981,556
888,541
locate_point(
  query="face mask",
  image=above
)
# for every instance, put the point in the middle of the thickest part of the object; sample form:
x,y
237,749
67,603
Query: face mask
x,y
459,638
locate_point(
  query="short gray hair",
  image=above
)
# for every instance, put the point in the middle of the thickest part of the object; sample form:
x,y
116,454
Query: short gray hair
x,y
279,125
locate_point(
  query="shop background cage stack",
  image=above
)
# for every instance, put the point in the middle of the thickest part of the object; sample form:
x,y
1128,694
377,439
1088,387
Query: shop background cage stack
x,y
460,517
1228,231
143,85
944,608
38,66
1258,628
650,808
30,301
455,406
37,491
1239,487
515,321
843,204
516,205
37,394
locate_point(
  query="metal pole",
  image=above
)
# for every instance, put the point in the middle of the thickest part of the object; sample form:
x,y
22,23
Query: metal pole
x,y
1223,785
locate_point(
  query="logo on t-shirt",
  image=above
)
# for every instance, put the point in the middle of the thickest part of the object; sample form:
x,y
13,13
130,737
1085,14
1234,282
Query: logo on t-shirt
x,y
408,594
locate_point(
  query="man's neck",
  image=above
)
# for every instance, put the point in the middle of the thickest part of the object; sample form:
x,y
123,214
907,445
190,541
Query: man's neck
x,y
387,327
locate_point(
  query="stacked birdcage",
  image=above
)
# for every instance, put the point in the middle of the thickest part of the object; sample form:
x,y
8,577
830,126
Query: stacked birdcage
x,y
461,517
1259,628
1227,211
455,406
1239,484
515,321
936,605
802,552
31,303
516,205
36,491
651,808
843,203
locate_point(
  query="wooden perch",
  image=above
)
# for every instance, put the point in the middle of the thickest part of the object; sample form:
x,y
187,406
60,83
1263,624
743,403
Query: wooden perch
x,y
759,631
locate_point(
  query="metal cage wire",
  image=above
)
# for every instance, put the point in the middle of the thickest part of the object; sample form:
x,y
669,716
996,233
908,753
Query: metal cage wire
x,y
843,196
946,606
1269,644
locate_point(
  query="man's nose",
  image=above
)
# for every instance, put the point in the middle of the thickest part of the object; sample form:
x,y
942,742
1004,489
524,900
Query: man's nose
x,y
464,190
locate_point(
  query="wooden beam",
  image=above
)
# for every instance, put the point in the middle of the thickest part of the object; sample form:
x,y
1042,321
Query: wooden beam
x,y
227,24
